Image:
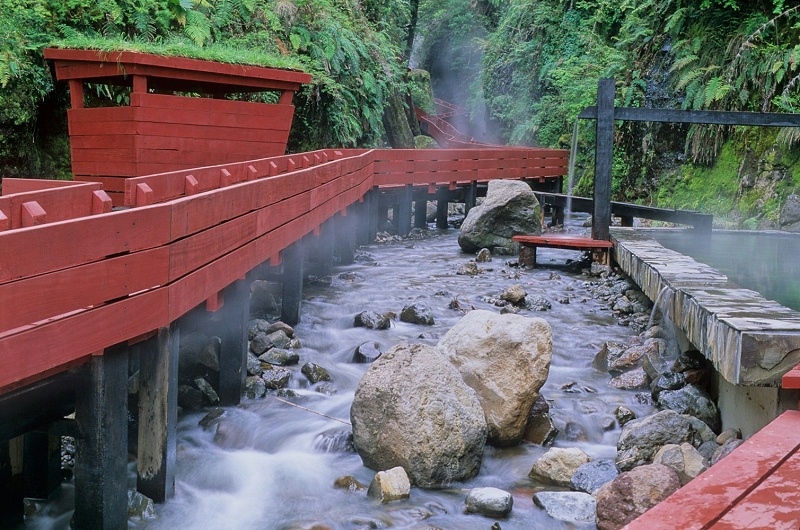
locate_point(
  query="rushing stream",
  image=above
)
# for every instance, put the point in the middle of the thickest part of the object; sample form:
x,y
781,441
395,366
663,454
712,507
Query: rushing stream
x,y
264,466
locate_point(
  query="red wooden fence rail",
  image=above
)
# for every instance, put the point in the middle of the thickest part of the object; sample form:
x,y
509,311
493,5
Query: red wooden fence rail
x,y
86,278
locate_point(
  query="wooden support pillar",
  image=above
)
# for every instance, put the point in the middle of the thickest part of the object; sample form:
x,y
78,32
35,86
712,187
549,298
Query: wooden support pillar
x,y
12,483
421,213
345,235
373,207
101,411
403,211
319,253
158,414
603,156
233,336
292,277
442,196
626,220
470,197
42,465
360,216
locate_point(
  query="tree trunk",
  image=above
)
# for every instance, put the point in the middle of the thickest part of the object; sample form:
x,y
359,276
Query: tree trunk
x,y
395,121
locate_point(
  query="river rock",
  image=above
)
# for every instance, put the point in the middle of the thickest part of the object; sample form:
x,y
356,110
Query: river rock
x,y
538,303
624,415
276,378
348,483
390,485
609,353
413,409
336,440
729,434
198,354
514,294
367,352
689,360
253,364
506,360
280,326
667,381
260,343
208,391
633,380
632,493
280,357
558,465
417,313
140,506
371,320
724,450
254,387
469,268
707,449
510,208
315,373
279,339
684,459
484,256
540,428
589,477
568,506
491,502
694,401
640,439
189,397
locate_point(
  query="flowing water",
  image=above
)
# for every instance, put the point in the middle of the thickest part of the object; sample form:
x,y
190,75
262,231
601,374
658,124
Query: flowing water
x,y
766,262
265,465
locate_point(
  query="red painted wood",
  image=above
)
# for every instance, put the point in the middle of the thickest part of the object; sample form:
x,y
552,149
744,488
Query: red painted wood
x,y
32,214
705,499
563,242
57,204
14,185
791,379
122,62
49,295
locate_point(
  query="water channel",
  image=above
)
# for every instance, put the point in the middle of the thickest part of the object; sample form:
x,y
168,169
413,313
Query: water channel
x,y
265,465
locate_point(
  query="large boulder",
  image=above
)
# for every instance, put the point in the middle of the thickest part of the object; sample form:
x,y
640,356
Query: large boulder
x,y
632,493
694,401
506,360
412,409
510,208
790,214
641,439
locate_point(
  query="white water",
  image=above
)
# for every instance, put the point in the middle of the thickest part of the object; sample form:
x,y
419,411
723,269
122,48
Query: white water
x,y
264,468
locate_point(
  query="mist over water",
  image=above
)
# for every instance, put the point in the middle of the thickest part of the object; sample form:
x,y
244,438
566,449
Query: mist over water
x,y
264,466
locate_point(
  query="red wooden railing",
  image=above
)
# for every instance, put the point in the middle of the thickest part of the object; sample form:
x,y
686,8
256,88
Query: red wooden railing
x,y
80,278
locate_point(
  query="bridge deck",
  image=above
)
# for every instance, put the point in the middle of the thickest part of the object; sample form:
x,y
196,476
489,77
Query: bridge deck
x,y
529,244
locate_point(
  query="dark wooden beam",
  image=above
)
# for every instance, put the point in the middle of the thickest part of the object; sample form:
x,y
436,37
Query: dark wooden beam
x,y
36,405
405,199
292,278
442,198
101,410
42,464
707,117
11,483
603,156
233,342
345,235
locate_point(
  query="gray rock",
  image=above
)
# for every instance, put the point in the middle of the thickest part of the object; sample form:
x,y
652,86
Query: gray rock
x,y
540,428
256,326
198,354
315,373
729,434
335,440
633,380
259,343
514,294
140,506
207,390
707,449
254,387
276,378
505,359
468,269
684,459
348,483
371,320
253,364
624,415
280,326
689,360
367,352
724,450
280,339
632,493
280,357
413,409
417,313
491,502
642,438
667,381
212,418
484,256
538,303
568,506
609,353
694,401
510,208
390,485
189,397
790,213
589,477
558,465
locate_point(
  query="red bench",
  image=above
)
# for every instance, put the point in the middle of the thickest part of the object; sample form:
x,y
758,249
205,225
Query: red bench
x,y
529,244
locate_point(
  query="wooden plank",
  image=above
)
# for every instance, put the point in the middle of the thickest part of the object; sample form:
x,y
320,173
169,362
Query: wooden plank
x,y
49,295
709,117
17,185
211,105
273,117
91,127
60,245
563,242
62,342
601,215
700,503
774,504
65,202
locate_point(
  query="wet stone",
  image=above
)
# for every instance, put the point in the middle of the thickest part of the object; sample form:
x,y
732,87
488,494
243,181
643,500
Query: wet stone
x,y
624,415
514,294
335,441
568,506
689,360
253,364
259,343
280,326
280,357
468,269
694,401
633,380
491,502
254,387
140,506
211,418
510,310
538,303
276,378
315,373
390,485
371,320
348,483
724,450
208,391
366,352
189,397
592,475
417,313
484,255
280,339
668,381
